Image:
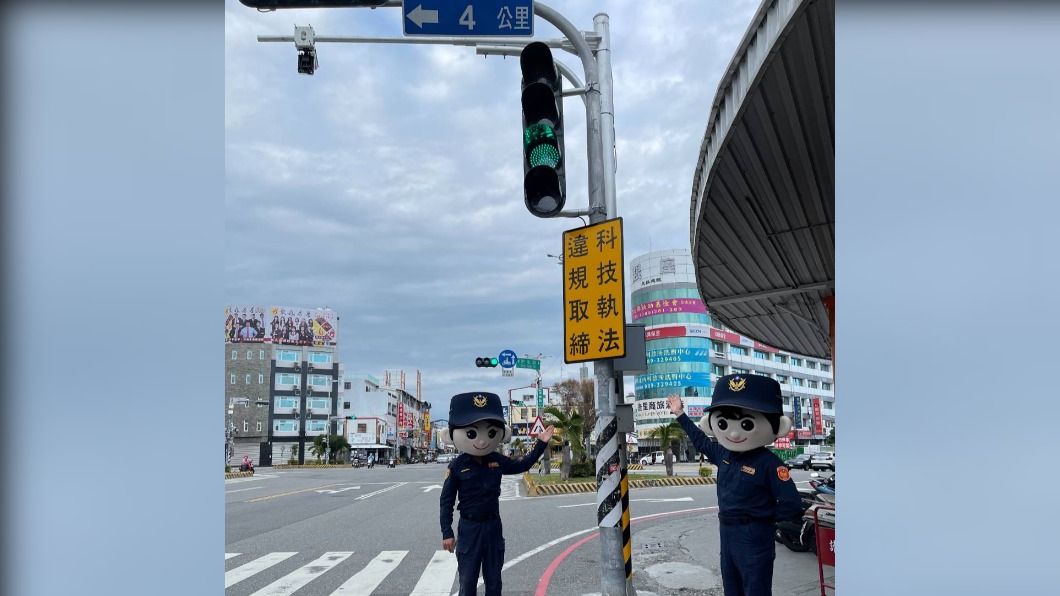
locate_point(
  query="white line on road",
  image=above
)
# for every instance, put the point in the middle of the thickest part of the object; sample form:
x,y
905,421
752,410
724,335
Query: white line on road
x,y
239,490
382,490
428,489
230,555
438,578
291,582
244,571
338,490
368,579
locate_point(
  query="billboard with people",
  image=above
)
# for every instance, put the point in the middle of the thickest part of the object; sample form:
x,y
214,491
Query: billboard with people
x,y
281,325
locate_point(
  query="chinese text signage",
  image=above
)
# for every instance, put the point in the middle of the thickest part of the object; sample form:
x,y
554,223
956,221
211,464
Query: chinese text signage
x,y
593,293
468,17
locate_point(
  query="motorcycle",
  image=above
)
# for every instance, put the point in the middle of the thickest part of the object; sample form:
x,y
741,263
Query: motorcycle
x,y
371,464
391,463
826,486
801,535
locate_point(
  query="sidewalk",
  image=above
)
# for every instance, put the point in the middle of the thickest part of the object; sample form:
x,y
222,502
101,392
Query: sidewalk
x,y
681,557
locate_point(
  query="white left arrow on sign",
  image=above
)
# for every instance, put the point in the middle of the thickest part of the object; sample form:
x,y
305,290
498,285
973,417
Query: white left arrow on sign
x,y
420,16
427,489
338,490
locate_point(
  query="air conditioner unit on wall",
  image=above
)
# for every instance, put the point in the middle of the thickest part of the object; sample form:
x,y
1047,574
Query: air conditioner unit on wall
x,y
719,354
310,365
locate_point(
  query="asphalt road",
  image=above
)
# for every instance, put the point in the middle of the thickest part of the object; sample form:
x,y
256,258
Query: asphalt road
x,y
361,531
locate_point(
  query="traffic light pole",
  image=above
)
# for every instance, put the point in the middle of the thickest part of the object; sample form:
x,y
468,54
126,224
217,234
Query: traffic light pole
x,y
612,510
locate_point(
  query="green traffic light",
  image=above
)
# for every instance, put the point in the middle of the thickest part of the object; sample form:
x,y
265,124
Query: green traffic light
x,y
541,146
493,362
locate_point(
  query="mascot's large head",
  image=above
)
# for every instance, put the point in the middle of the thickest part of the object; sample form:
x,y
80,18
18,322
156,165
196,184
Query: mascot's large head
x,y
746,412
476,423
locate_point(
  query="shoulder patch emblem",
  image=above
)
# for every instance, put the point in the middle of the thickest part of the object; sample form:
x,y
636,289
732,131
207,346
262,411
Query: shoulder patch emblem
x,y
783,474
748,469
447,470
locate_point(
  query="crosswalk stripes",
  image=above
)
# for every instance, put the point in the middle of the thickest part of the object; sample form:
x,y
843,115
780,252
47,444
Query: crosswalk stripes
x,y
437,578
369,578
256,566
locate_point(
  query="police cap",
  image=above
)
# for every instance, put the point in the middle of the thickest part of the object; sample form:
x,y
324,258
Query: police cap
x,y
469,408
751,392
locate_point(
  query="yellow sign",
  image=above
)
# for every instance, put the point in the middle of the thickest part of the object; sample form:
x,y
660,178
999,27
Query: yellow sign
x,y
594,321
427,421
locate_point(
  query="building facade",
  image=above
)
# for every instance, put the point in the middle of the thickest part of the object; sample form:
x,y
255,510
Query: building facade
x,y
687,350
387,420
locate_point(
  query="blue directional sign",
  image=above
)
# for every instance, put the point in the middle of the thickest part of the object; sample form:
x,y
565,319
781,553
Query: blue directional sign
x,y
507,359
471,18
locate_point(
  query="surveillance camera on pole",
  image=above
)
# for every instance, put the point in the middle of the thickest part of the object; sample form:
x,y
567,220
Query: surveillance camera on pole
x,y
304,39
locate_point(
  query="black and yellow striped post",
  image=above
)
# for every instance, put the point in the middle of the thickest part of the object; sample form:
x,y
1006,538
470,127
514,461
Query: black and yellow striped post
x,y
627,539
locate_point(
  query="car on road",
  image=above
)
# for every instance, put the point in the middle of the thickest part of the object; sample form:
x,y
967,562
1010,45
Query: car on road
x,y
444,458
646,460
823,461
800,461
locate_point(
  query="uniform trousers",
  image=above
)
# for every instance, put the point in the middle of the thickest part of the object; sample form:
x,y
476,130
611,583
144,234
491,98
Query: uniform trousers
x,y
480,546
747,553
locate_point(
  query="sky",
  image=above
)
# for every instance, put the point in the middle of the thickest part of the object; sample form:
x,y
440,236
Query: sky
x,y
388,185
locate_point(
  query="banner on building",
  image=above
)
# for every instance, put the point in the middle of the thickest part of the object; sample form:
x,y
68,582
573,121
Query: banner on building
x,y
818,418
281,325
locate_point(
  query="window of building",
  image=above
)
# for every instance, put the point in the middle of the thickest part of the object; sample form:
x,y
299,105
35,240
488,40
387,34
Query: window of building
x,y
828,405
717,346
261,379
796,381
825,367
782,379
781,358
261,354
826,386
796,361
285,426
315,426
232,379
811,364
287,355
740,371
246,426
320,357
233,354
345,405
258,426
320,381
813,384
317,403
737,351
761,355
717,369
362,427
248,378
787,401
286,379
250,354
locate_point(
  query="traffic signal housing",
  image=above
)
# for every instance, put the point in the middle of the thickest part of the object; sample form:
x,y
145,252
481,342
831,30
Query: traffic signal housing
x,y
351,418
544,179
486,362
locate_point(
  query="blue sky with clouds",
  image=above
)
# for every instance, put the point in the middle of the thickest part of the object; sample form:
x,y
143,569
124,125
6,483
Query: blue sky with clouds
x,y
388,185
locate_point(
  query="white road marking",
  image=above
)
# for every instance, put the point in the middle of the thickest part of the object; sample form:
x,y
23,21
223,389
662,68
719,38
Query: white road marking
x,y
230,555
244,571
239,490
369,578
438,578
382,490
291,582
339,490
428,489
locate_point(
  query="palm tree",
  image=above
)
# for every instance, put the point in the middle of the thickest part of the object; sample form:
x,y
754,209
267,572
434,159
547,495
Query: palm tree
x,y
567,428
668,434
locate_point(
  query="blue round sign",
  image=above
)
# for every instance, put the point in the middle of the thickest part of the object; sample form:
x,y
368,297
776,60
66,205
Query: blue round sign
x,y
507,359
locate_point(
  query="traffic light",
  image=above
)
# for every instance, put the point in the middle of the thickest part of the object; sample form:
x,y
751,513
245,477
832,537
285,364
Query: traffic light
x,y
351,418
544,181
266,5
486,362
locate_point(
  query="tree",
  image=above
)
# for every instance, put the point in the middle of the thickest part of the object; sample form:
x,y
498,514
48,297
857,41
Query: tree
x,y
668,434
831,437
567,427
578,395
335,443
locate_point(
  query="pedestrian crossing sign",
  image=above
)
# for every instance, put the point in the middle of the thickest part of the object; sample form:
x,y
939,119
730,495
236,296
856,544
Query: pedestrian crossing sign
x,y
537,428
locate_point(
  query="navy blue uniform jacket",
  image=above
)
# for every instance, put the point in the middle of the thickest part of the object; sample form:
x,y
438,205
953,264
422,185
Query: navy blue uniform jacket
x,y
479,484
750,483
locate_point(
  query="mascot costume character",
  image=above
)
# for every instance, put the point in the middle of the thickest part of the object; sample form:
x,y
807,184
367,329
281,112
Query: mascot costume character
x,y
476,428
755,489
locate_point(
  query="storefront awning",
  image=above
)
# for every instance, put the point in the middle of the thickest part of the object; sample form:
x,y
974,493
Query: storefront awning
x,y
370,446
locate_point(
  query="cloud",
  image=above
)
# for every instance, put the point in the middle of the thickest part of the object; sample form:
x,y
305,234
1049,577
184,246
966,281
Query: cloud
x,y
388,185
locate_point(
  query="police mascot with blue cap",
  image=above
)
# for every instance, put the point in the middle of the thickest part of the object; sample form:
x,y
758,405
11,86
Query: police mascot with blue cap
x,y
755,489
477,428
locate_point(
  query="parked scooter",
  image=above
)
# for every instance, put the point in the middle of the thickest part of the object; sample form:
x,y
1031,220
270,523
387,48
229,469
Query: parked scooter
x,y
825,485
391,463
801,535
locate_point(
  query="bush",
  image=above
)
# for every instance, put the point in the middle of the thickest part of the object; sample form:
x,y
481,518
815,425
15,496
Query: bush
x,y
293,461
583,469
706,472
228,468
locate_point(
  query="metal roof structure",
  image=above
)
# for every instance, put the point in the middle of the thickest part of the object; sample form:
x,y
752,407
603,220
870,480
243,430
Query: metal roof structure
x,y
763,195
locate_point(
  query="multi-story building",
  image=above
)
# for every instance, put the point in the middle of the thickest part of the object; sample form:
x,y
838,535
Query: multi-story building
x,y
282,380
400,421
688,350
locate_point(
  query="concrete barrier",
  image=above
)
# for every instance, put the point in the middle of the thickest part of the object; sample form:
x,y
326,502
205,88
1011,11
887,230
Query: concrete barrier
x,y
563,488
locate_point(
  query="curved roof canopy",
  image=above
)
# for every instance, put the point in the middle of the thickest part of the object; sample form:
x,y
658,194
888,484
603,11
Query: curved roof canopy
x,y
763,196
